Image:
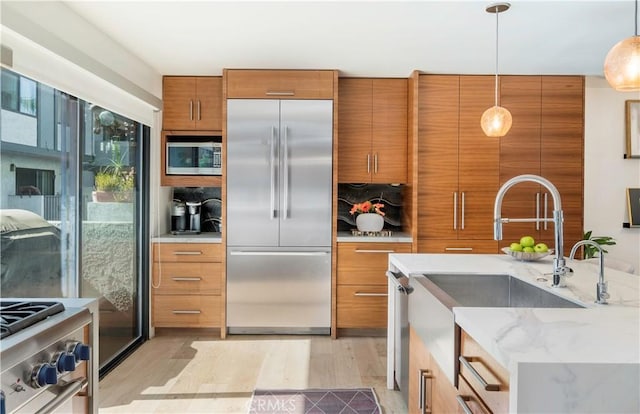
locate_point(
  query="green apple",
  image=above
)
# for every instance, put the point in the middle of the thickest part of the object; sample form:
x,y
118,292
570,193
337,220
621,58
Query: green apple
x,y
515,247
541,248
527,241
528,249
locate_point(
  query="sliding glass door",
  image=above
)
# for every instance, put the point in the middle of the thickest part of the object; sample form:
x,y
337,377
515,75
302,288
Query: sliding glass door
x,y
71,178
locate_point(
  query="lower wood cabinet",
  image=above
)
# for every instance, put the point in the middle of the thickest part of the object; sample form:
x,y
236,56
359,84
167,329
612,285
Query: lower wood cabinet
x,y
458,246
187,285
361,297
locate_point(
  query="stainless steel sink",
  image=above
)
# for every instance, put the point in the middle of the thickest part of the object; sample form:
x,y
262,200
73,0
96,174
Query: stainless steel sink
x,y
492,291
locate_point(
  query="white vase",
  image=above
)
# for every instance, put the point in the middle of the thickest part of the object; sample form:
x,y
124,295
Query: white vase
x,y
369,222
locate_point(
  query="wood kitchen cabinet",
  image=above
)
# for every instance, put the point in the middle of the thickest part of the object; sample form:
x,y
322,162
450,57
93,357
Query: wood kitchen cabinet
x,y
458,166
372,130
361,297
192,103
546,140
280,84
187,285
429,389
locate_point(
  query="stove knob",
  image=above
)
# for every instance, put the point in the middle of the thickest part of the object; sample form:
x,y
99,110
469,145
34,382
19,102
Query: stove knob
x,y
65,362
82,352
43,375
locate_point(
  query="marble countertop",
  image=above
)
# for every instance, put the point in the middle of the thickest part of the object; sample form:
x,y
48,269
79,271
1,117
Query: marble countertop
x,y
603,338
397,237
188,238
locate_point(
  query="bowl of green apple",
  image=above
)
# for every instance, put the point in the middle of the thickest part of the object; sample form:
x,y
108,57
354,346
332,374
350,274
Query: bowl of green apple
x,y
527,249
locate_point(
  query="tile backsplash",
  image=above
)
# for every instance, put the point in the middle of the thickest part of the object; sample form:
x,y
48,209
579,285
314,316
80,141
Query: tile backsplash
x,y
211,200
387,194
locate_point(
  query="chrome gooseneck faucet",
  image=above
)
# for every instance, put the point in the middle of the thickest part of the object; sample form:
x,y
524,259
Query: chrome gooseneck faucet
x,y
601,290
559,265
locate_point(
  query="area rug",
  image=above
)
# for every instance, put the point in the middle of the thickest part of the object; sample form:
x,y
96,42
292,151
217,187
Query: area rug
x,y
315,401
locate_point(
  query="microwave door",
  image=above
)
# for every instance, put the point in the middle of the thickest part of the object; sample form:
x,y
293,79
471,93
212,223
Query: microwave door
x,y
180,159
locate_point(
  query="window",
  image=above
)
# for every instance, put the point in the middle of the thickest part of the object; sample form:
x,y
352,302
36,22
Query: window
x,y
34,182
19,94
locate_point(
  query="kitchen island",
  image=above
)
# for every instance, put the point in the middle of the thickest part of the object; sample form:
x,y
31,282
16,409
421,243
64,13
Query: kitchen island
x,y
581,360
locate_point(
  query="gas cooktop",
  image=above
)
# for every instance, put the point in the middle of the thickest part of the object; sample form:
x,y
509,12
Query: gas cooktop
x,y
16,315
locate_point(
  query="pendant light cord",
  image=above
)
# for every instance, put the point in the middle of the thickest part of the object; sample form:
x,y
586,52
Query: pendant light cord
x,y
496,87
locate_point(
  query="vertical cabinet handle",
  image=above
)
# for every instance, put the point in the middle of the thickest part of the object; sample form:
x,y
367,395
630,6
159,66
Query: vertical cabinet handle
x,y
455,210
537,211
462,211
190,110
198,111
546,199
368,163
424,397
375,163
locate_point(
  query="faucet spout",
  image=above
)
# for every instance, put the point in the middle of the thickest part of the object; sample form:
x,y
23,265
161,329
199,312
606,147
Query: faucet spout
x,y
559,265
601,288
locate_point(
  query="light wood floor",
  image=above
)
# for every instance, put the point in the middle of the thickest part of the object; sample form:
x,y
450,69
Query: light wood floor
x,y
178,373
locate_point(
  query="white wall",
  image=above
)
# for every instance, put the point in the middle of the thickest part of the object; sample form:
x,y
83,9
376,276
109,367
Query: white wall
x,y
607,174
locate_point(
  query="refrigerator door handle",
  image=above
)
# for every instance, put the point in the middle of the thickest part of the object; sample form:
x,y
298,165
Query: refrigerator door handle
x,y
285,184
275,253
272,167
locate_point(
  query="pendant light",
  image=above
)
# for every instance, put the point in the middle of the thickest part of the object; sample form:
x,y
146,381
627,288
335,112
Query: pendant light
x,y
496,121
622,65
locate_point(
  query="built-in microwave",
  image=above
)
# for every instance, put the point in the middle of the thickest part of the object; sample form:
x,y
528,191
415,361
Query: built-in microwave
x,y
194,158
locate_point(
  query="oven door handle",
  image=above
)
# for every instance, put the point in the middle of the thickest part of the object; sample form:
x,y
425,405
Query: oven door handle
x,y
67,391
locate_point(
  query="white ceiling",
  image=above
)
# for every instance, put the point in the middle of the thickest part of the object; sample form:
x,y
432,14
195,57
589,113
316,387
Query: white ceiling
x,y
365,38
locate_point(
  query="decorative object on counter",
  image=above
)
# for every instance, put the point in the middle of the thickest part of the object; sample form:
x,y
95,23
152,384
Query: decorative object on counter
x,y
496,121
590,250
526,256
622,64
389,195
357,400
633,200
632,115
381,233
369,216
211,205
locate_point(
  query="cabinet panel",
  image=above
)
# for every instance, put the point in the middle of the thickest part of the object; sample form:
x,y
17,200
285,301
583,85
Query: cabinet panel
x,y
354,130
187,252
187,278
389,131
208,112
178,93
186,311
274,84
475,214
366,263
437,155
361,306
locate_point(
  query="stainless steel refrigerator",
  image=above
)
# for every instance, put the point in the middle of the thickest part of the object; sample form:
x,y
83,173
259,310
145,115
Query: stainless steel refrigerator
x,y
279,191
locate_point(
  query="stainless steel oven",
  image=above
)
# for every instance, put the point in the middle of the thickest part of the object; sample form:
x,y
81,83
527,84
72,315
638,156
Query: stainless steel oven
x,y
48,354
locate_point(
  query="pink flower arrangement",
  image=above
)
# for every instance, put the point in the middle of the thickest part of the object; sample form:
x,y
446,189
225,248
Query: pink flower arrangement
x,y
367,207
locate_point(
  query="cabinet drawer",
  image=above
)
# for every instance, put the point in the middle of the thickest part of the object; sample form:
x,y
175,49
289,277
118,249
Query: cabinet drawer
x,y
362,306
496,394
366,263
458,246
280,84
187,252
187,278
184,311
471,400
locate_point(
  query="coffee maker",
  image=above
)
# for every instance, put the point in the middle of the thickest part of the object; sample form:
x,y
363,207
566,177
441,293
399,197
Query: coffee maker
x,y
185,217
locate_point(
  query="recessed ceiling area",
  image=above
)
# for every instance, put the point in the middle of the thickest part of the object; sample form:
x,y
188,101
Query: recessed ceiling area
x,y
365,38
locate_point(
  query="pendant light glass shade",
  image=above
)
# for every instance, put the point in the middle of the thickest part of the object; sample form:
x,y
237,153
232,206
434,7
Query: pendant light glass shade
x,y
622,65
496,121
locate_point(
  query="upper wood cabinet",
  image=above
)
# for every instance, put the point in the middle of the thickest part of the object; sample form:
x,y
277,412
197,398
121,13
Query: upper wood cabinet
x,y
546,139
372,130
458,166
280,84
192,103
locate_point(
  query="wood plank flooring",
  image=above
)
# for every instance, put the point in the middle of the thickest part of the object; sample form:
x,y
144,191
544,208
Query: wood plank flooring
x,y
191,373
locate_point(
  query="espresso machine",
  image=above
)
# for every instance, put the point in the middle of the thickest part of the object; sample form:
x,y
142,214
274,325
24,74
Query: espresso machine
x,y
185,217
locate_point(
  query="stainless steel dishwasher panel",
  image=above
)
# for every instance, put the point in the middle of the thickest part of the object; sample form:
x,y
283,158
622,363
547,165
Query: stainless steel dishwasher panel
x,y
279,291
